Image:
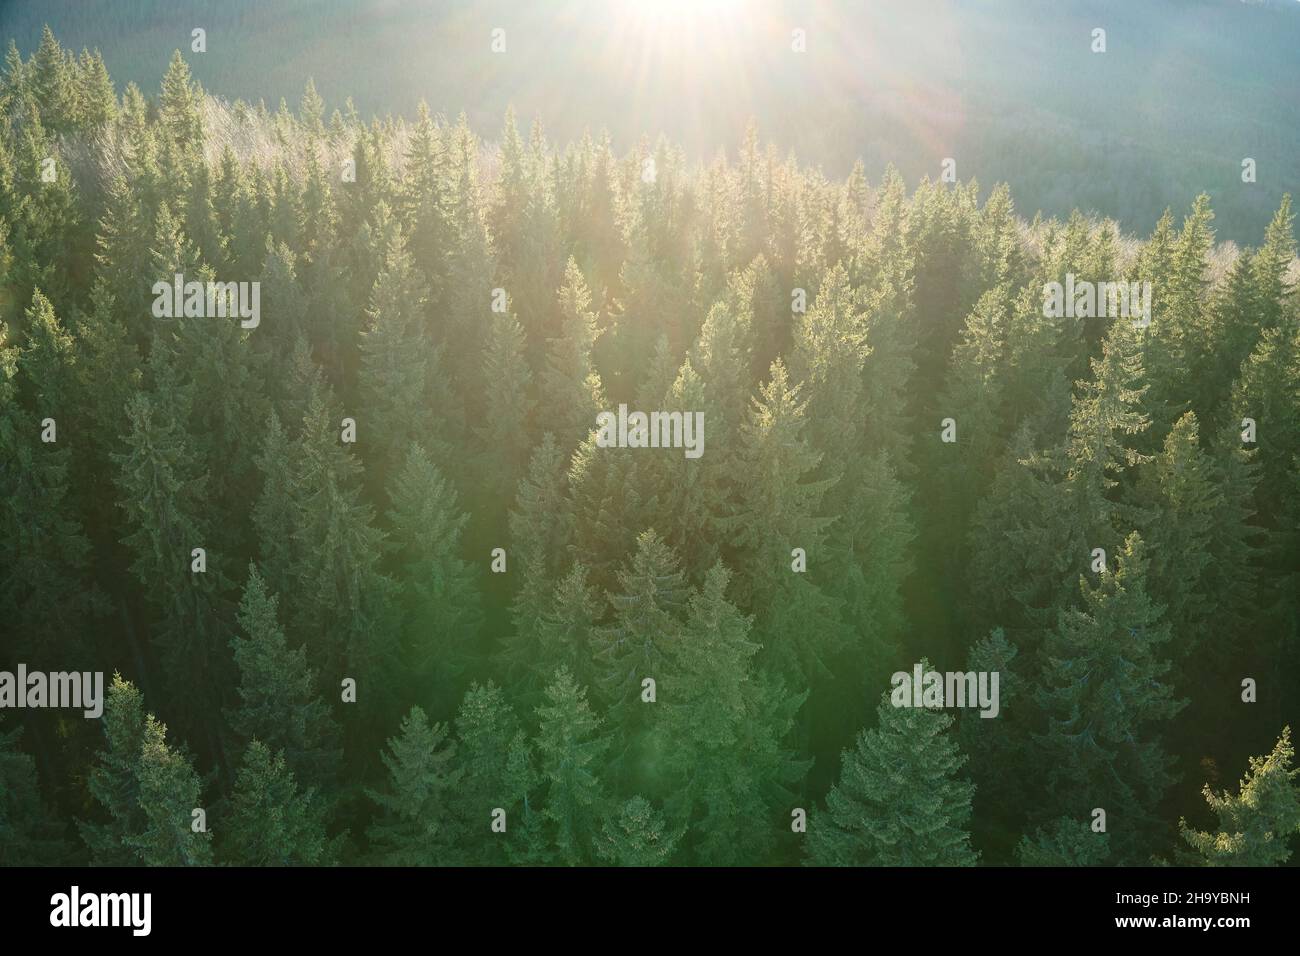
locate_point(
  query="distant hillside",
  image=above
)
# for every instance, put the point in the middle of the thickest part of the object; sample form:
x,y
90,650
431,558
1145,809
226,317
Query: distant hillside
x,y
1012,91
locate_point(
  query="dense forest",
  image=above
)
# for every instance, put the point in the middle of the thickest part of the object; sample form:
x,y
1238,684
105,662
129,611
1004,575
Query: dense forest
x,y
1184,91
368,587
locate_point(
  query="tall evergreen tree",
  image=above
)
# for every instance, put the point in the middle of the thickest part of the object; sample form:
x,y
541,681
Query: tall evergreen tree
x,y
272,823
29,833
1256,825
414,827
278,701
1105,697
113,782
899,800
440,597
570,746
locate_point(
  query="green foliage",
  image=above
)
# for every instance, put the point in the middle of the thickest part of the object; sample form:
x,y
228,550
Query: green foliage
x,y
28,834
1105,697
1256,824
1065,843
278,701
636,837
569,747
413,828
899,800
822,326
271,822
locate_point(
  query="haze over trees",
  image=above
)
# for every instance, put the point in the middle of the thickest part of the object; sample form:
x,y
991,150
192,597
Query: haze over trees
x,y
474,635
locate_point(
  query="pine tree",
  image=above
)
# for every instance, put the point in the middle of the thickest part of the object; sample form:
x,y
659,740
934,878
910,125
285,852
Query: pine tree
x,y
1184,502
637,836
44,551
610,496
486,730
1256,825
340,595
571,389
29,834
180,126
1104,697
1266,391
425,200
1066,842
97,100
830,342
1106,412
278,701
565,632
997,745
415,823
169,792
1019,560
47,364
870,555
273,511
541,526
779,511
1271,266
212,377
441,599
505,385
899,800
690,495
162,493
271,822
973,398
725,758
106,373
1233,332
53,83
113,781
570,747
646,623
397,361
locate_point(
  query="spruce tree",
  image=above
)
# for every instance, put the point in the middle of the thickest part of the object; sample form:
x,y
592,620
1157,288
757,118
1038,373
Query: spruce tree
x,y
899,800
779,511
414,827
29,834
1066,842
163,494
278,701
397,361
487,729
1104,693
271,822
112,782
571,390
1256,825
439,590
570,748
637,836
541,526
169,792
646,622
727,763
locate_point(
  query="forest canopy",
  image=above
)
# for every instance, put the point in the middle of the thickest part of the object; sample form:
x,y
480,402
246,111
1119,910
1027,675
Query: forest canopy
x,y
368,585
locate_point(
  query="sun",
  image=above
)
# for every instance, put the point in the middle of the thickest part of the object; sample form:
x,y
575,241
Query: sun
x,y
653,16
